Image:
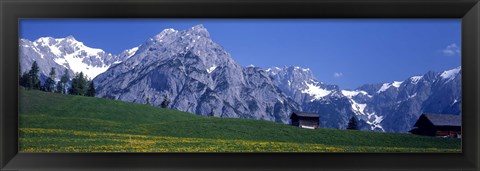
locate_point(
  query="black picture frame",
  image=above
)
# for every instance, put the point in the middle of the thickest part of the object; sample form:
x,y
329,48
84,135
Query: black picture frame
x,y
13,10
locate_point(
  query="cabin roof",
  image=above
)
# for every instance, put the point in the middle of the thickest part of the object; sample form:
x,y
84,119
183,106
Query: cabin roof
x,y
305,114
444,119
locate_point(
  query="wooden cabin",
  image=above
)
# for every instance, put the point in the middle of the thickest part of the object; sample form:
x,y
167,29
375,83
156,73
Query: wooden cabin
x,y
305,120
439,125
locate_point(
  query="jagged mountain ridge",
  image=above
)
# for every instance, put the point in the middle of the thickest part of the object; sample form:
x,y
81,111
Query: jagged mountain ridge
x,y
335,106
388,107
67,53
198,76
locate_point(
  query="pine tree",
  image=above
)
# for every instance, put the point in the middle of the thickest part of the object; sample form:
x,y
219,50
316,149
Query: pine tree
x,y
79,84
165,102
24,79
91,89
352,124
42,87
33,82
59,88
63,82
50,83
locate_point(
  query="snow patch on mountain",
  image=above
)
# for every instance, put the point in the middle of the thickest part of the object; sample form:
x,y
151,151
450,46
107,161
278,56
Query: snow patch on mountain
x,y
412,96
359,109
454,101
450,74
350,94
211,69
159,37
273,70
415,79
386,86
78,66
36,51
376,123
315,91
61,61
305,69
397,83
132,51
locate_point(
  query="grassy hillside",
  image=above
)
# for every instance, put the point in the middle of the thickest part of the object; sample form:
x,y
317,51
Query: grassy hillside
x,y
66,123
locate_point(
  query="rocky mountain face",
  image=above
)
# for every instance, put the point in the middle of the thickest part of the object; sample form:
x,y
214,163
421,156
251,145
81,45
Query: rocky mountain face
x,y
197,75
334,106
430,93
66,53
387,107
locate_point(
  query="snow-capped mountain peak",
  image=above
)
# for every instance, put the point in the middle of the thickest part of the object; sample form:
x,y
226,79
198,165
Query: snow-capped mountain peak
x,y
450,74
164,33
67,52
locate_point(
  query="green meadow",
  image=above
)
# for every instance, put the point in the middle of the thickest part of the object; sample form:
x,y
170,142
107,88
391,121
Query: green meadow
x,y
51,122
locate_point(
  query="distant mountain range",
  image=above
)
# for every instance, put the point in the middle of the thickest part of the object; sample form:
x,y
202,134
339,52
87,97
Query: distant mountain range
x,y
388,107
199,76
68,53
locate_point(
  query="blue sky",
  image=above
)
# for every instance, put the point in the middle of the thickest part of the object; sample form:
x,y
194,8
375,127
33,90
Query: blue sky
x,y
346,52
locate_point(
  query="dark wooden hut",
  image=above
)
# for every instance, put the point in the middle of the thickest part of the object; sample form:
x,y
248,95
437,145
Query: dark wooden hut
x,y
440,125
305,120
